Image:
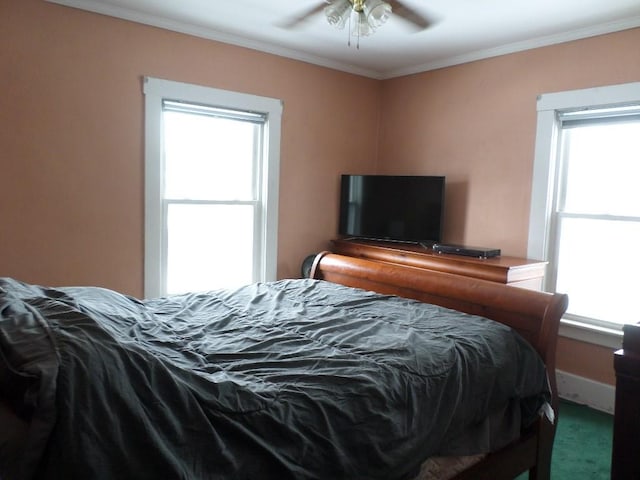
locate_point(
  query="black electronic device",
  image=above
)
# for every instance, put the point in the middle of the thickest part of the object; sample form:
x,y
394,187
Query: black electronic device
x,y
467,251
392,208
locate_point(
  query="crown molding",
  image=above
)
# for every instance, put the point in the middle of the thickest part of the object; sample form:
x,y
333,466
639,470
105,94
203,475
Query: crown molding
x,y
124,13
545,41
209,34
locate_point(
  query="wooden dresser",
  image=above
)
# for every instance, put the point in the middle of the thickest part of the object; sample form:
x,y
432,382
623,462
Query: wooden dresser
x,y
625,461
513,271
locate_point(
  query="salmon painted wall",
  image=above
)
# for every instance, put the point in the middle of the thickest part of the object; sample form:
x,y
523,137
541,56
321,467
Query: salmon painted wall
x,y
476,124
71,146
71,142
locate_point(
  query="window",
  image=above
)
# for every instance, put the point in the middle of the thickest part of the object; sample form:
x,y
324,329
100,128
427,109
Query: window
x,y
211,187
586,205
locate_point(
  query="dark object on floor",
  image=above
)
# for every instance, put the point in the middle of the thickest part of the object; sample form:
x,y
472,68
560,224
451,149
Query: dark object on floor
x,y
307,263
625,461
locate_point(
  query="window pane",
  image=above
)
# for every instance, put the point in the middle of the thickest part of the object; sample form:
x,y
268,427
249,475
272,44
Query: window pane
x,y
209,246
603,169
208,158
597,271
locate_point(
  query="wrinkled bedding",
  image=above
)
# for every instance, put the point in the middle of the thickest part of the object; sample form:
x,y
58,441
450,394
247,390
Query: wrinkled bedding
x,y
294,379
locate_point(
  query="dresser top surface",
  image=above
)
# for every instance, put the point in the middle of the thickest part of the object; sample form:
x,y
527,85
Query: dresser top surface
x,y
502,261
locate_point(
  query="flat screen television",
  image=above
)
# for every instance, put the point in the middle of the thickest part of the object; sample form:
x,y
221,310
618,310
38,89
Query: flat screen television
x,y
392,208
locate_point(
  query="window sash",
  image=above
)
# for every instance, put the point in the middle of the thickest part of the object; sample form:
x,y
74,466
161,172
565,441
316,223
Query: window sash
x,y
213,111
258,131
554,109
599,278
266,184
216,251
252,268
542,223
599,116
591,260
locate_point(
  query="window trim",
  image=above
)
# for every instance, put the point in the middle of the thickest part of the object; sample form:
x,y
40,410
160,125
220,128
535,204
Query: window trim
x,y
156,91
550,106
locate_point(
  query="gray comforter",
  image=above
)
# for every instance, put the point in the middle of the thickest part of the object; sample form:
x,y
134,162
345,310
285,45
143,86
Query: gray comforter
x,y
295,379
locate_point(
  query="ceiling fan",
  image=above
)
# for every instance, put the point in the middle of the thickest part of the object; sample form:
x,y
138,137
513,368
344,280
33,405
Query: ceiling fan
x,y
364,16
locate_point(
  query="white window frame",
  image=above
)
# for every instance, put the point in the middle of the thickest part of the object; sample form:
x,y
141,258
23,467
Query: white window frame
x,y
156,91
541,228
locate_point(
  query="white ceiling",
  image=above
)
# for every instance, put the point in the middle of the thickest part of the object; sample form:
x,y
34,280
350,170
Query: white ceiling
x,y
465,30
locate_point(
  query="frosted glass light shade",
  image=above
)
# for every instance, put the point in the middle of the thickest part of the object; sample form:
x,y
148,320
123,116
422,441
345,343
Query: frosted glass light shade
x,y
361,27
337,13
377,12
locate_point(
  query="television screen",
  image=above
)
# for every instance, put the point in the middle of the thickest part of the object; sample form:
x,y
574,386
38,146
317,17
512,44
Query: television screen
x,y
394,208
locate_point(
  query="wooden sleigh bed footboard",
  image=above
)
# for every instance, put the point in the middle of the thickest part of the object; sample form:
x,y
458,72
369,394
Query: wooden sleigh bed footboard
x,y
535,315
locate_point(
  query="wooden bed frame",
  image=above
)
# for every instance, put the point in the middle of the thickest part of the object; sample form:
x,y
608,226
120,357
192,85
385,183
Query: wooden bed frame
x,y
535,315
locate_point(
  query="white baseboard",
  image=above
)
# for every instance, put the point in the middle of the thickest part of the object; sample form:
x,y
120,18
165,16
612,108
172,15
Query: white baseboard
x,y
597,395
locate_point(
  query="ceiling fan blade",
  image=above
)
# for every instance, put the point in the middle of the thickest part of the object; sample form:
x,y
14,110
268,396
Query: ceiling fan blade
x,y
410,15
298,19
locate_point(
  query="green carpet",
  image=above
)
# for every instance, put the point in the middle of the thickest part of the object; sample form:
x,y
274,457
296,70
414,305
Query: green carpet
x,y
582,448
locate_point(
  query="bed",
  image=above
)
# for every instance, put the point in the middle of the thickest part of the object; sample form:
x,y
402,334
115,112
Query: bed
x,y
367,370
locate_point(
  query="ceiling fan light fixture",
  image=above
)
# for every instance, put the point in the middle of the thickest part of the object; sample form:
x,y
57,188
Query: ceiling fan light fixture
x,y
361,26
338,13
377,12
364,16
